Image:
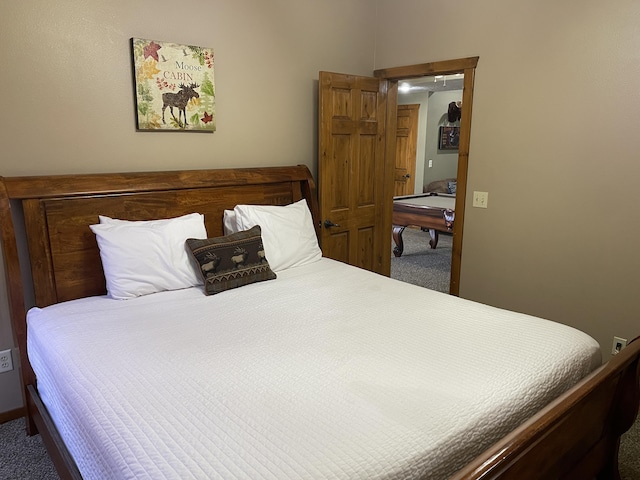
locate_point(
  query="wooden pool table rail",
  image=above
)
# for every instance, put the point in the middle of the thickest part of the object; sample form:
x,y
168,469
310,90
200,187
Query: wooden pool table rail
x,y
428,218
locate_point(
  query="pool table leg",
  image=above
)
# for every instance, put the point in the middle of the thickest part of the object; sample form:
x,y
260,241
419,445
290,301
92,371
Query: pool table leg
x,y
434,237
397,238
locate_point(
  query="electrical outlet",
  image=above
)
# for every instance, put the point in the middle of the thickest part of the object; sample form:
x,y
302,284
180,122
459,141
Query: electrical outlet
x,y
6,362
618,344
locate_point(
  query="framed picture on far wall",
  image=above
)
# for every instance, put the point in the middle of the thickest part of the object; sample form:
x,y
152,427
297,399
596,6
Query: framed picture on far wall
x,y
449,138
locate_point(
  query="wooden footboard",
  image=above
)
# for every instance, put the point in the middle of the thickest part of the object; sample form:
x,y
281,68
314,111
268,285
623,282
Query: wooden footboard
x,y
577,436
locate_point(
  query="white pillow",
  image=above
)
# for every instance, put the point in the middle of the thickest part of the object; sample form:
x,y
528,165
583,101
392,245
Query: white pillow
x,y
145,257
287,232
229,224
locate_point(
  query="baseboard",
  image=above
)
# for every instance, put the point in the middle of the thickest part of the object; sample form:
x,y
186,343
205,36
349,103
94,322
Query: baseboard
x,y
11,415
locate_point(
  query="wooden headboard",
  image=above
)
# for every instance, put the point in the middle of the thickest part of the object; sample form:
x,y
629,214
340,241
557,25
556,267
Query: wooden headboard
x,y
55,213
58,210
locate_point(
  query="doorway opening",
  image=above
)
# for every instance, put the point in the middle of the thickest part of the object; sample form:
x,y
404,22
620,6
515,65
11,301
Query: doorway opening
x,y
426,160
465,66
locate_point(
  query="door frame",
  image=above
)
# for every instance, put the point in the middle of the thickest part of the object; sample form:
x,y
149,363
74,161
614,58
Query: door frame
x,y
467,66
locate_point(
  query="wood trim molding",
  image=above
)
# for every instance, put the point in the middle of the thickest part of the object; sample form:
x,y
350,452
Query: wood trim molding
x,y
10,415
445,67
105,183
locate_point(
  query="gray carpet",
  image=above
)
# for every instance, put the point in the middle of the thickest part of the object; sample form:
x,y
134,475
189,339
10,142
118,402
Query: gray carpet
x,y
629,457
23,457
420,264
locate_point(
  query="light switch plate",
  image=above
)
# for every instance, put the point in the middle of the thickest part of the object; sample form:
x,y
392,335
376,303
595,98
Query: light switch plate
x,y
480,199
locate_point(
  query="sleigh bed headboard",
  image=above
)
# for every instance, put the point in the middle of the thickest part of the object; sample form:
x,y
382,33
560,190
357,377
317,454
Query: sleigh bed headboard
x,y
59,208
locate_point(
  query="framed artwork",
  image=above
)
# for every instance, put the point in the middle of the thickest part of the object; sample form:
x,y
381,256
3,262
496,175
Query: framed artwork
x,y
449,138
174,87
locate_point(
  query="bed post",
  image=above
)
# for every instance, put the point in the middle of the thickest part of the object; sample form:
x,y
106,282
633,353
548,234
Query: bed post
x,y
15,293
310,194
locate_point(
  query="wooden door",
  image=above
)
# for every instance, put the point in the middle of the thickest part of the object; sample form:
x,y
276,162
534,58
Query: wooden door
x,y
355,185
406,147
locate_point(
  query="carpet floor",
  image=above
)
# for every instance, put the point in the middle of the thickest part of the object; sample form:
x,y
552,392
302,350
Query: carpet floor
x,y
23,457
420,264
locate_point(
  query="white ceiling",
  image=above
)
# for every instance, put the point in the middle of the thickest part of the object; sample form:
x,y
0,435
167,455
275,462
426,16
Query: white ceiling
x,y
432,84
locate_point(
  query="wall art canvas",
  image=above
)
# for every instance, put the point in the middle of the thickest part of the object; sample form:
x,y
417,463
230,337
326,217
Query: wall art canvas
x,y
174,85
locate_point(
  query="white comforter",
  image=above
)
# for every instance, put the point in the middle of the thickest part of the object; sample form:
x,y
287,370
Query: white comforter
x,y
328,371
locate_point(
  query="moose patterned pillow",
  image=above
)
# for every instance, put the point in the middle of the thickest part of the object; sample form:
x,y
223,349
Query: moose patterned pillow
x,y
231,261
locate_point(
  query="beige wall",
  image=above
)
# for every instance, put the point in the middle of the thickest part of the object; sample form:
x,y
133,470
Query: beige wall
x,y
433,106
445,162
67,84
554,141
67,94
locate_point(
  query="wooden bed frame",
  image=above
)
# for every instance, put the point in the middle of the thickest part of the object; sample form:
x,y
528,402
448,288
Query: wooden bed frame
x,y
51,256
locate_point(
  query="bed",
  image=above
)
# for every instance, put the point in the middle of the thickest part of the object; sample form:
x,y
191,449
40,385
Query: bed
x,y
432,212
297,375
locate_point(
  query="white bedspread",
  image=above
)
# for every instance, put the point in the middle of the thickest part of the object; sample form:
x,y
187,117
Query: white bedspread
x,y
328,372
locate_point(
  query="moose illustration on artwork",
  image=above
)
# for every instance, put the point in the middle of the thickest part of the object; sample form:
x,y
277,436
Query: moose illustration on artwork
x,y
179,100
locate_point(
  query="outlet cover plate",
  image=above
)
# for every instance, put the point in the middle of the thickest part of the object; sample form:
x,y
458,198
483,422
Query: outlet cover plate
x,y
6,361
618,344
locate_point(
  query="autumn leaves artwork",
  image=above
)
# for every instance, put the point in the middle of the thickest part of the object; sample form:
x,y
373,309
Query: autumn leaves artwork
x,y
174,86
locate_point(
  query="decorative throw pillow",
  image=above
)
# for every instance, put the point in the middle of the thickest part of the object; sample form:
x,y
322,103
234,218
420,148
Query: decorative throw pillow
x,y
289,235
452,187
231,261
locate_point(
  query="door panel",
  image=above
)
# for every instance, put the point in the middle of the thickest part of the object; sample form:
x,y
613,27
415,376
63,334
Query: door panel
x,y
351,170
337,173
366,171
338,248
365,248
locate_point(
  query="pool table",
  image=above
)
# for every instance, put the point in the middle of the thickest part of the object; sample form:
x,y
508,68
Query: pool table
x,y
432,212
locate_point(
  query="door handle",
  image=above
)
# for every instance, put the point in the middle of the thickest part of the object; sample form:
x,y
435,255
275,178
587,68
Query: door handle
x,y
329,224
407,175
